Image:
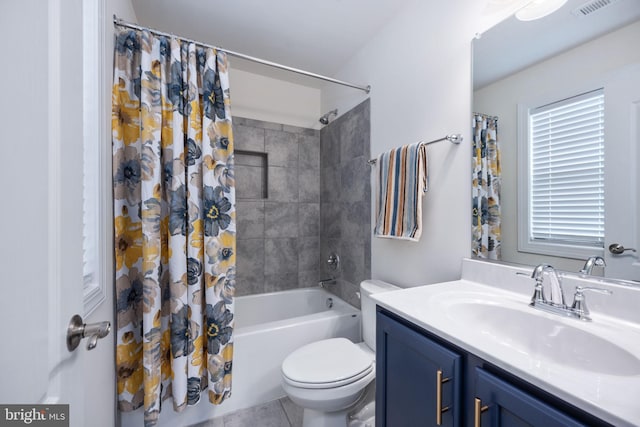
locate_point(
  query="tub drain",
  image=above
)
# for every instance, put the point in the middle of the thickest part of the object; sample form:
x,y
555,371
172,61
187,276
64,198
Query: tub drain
x,y
329,302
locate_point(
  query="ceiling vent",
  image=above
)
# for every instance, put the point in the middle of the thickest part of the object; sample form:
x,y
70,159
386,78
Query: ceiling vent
x,y
592,6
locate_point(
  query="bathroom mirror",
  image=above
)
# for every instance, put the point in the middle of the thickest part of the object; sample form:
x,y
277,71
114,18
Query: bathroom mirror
x,y
511,67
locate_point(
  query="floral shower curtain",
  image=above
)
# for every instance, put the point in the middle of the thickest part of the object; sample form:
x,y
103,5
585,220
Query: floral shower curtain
x,y
486,237
174,214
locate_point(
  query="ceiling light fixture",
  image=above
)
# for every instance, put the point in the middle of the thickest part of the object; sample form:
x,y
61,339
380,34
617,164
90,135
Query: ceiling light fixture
x,y
538,9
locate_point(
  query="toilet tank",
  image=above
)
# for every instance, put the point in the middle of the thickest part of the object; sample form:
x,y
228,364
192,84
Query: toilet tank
x,y
368,307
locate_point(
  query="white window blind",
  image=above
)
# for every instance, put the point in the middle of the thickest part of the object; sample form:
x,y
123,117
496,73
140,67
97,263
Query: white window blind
x,y
567,171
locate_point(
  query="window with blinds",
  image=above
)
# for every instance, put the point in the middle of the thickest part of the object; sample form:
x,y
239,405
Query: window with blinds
x,y
566,172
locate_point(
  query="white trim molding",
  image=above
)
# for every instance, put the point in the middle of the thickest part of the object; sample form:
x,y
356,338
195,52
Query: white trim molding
x,y
97,113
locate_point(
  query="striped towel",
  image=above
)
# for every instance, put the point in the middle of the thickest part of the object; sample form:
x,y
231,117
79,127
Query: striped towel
x,y
402,180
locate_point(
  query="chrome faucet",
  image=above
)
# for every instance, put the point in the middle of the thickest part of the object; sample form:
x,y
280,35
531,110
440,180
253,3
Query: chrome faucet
x,y
592,261
555,304
556,293
330,281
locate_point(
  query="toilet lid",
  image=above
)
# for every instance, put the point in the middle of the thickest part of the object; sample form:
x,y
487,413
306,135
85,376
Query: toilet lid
x,y
331,362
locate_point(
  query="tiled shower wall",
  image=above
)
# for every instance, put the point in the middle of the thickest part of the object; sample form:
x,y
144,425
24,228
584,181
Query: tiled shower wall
x,y
278,237
345,200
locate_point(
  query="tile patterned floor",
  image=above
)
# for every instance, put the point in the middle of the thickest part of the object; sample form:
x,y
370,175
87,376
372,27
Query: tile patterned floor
x,y
279,413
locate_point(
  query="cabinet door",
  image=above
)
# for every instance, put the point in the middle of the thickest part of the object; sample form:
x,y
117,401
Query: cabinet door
x,y
509,406
413,376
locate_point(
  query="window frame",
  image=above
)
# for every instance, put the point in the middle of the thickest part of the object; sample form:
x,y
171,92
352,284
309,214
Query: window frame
x,y
525,242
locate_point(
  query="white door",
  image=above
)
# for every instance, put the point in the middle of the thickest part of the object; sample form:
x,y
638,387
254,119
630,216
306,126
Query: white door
x,y
41,216
622,145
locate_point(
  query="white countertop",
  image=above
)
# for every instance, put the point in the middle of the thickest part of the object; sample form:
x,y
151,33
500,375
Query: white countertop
x,y
608,389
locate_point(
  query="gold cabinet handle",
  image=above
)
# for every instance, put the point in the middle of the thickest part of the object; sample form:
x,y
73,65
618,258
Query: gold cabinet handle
x,y
478,409
439,409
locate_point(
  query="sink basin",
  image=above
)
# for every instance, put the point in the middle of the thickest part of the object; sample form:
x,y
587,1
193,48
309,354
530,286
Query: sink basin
x,y
594,366
537,335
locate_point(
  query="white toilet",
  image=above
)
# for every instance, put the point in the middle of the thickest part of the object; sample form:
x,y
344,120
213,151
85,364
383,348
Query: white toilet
x,y
328,377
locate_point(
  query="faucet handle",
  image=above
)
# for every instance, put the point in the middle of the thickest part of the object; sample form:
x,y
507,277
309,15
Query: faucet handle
x,y
580,304
581,289
538,295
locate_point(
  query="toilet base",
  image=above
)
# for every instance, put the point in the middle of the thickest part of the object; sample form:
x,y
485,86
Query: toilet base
x,y
313,418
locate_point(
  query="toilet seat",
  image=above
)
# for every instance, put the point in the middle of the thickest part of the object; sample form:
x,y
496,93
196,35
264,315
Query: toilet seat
x,y
327,364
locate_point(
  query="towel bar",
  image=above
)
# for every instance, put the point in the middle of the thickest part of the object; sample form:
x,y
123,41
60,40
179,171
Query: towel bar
x,y
454,138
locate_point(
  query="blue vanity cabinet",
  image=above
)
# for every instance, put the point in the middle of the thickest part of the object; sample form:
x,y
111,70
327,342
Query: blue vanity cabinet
x,y
499,403
409,389
418,381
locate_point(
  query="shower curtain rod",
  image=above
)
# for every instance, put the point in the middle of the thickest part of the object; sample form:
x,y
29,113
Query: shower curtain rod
x,y
122,23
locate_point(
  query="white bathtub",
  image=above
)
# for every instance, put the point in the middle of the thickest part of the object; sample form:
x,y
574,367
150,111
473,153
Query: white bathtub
x,y
268,327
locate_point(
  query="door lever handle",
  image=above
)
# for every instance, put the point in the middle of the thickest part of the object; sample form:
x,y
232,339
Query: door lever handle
x,y
78,329
617,249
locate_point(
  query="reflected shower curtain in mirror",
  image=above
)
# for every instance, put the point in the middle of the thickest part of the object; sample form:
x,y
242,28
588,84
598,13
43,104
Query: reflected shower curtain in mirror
x,y
486,238
174,220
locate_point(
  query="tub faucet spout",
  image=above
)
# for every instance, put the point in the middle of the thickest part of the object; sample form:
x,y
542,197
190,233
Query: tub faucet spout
x,y
330,281
592,262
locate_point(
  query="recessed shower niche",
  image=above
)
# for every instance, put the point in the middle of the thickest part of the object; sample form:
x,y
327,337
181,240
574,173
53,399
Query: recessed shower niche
x,y
251,169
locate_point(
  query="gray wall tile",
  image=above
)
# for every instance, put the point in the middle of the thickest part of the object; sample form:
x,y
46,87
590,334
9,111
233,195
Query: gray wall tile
x,y
330,224
249,220
300,130
331,188
283,241
281,256
308,250
345,215
308,279
258,123
239,121
271,231
329,146
367,255
354,221
250,182
250,158
352,260
355,176
250,266
282,148
309,185
280,220
354,135
282,184
347,291
280,282
308,219
248,138
309,152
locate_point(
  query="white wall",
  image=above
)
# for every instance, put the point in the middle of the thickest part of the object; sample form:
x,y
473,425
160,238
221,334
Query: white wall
x,y
265,98
573,72
419,67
